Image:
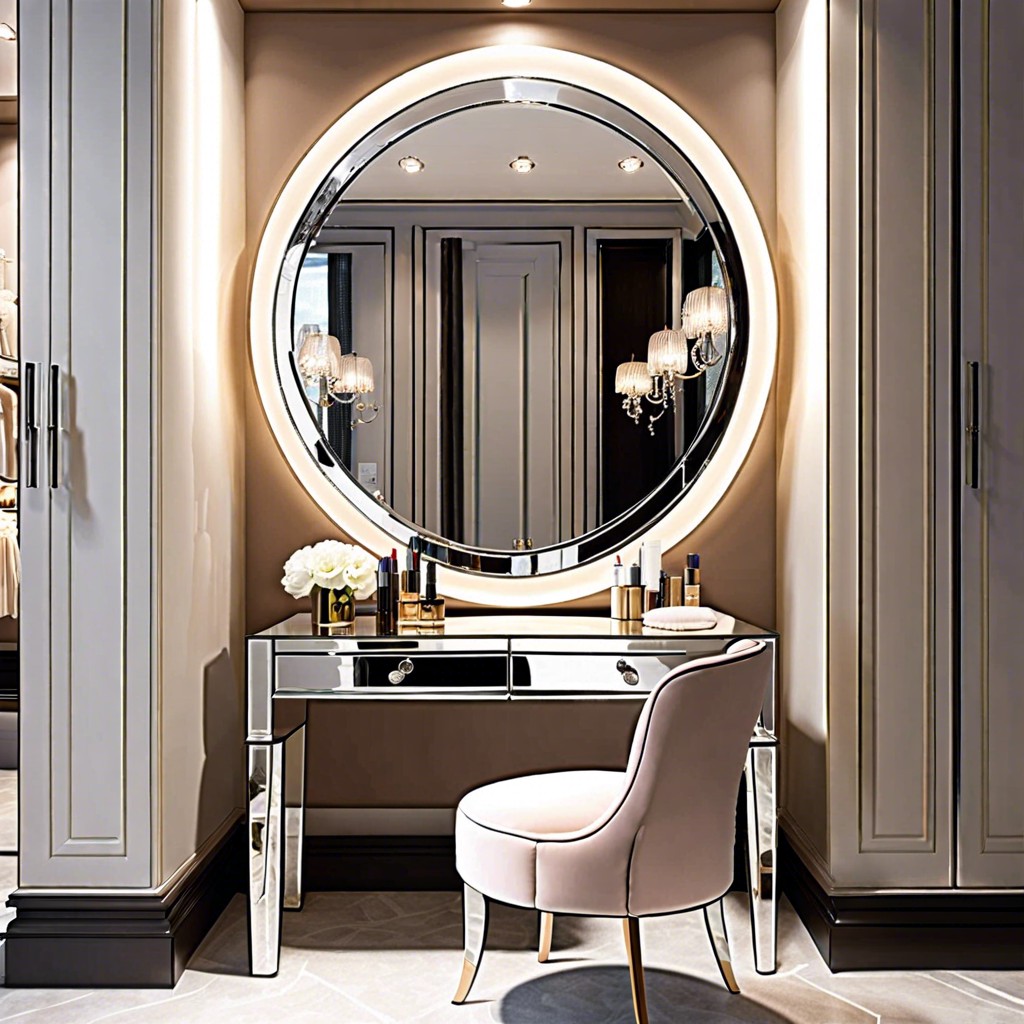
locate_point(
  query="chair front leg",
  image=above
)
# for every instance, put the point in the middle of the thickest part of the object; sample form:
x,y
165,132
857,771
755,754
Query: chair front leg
x,y
714,918
474,912
547,926
631,927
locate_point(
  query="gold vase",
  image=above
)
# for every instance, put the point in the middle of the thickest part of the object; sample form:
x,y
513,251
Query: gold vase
x,y
332,610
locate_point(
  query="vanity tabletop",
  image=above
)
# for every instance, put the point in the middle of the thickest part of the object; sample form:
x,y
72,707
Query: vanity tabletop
x,y
519,626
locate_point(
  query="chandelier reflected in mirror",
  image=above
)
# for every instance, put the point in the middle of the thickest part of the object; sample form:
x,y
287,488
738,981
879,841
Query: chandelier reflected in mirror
x,y
670,354
337,376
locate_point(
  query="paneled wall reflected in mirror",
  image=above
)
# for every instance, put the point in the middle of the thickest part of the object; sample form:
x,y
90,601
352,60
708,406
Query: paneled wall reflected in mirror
x,y
473,324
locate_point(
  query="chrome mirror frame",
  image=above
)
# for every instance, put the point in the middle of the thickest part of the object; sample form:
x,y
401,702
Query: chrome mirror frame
x,y
490,567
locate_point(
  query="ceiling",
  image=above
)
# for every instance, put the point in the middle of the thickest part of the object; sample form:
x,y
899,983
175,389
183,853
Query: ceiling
x,y
467,156
623,6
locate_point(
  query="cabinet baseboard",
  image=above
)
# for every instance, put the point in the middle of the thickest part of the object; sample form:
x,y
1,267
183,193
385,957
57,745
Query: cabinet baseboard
x,y
945,930
62,940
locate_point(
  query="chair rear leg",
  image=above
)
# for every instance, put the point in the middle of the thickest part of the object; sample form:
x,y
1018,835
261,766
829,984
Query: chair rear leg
x,y
631,928
714,918
547,926
474,914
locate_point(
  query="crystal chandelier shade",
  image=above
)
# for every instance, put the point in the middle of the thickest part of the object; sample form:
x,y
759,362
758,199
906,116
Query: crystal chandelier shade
x,y
706,311
633,379
319,356
667,353
355,376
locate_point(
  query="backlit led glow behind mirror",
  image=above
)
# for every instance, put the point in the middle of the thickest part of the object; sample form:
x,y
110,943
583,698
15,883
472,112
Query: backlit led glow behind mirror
x,y
340,214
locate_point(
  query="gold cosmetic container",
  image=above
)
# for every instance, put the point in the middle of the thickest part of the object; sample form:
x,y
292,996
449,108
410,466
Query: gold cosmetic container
x,y
431,613
628,603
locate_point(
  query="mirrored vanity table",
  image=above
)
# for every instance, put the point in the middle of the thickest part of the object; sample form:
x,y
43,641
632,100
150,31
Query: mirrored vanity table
x,y
475,658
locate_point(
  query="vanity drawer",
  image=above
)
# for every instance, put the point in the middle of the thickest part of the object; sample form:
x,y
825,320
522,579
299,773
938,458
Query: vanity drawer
x,y
395,671
581,674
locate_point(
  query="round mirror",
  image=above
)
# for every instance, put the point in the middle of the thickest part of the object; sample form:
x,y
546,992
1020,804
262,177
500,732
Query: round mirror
x,y
513,317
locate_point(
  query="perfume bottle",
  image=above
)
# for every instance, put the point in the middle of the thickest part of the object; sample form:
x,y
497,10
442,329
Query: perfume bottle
x,y
431,606
409,589
691,581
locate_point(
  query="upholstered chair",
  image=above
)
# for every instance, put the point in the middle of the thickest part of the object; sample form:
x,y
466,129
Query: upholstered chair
x,y
655,839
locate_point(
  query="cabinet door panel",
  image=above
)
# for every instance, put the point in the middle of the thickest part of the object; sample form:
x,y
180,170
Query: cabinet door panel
x,y
991,827
87,642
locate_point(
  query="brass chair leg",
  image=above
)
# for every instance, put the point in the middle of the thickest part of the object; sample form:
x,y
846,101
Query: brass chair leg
x,y
474,911
547,924
631,928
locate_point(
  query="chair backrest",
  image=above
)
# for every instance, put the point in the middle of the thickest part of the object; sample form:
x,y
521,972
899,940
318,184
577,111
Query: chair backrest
x,y
683,776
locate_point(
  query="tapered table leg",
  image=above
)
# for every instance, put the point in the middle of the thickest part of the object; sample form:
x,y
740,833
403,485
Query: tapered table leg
x,y
294,818
762,813
264,834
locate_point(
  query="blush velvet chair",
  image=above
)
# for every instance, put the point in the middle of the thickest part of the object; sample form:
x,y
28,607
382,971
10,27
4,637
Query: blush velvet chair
x,y
655,839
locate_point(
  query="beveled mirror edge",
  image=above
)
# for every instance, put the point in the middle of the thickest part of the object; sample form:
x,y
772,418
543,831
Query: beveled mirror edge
x,y
357,513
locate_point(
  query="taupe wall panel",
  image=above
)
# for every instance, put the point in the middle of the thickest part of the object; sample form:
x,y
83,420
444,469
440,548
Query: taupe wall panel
x,y
302,72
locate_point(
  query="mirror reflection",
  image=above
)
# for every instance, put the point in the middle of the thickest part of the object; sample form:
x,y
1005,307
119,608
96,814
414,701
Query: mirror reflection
x,y
512,326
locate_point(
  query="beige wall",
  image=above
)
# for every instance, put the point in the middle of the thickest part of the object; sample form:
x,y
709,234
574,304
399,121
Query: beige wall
x,y
302,72
802,393
201,539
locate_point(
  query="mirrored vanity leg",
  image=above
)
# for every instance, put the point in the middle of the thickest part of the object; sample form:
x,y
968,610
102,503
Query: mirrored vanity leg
x,y
762,814
294,817
263,841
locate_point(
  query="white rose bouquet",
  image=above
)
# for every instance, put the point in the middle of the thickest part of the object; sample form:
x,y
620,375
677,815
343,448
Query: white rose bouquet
x,y
334,576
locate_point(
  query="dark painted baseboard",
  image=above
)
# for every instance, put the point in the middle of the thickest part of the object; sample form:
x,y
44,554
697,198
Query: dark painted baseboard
x,y
401,864
105,941
941,931
380,863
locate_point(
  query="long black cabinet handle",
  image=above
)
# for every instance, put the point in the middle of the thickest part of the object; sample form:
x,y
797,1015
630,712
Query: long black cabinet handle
x,y
30,400
972,426
55,427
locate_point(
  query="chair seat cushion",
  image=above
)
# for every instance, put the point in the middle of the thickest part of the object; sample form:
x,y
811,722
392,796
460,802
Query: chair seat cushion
x,y
498,826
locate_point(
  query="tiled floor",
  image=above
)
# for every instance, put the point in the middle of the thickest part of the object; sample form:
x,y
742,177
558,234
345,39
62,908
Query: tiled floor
x,y
391,958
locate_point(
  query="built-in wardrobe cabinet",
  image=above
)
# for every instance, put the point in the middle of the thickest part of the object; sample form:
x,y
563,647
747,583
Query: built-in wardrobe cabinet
x,y
900,562
131,508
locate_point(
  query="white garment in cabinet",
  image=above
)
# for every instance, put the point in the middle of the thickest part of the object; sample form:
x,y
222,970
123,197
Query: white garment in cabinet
x,y
10,565
8,433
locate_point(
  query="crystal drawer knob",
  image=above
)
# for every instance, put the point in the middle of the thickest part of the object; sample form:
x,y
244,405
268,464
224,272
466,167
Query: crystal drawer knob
x,y
395,677
630,676
405,666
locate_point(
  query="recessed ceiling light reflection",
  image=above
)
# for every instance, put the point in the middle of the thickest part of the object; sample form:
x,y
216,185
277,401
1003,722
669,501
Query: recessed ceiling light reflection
x,y
631,164
522,165
516,3
411,164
